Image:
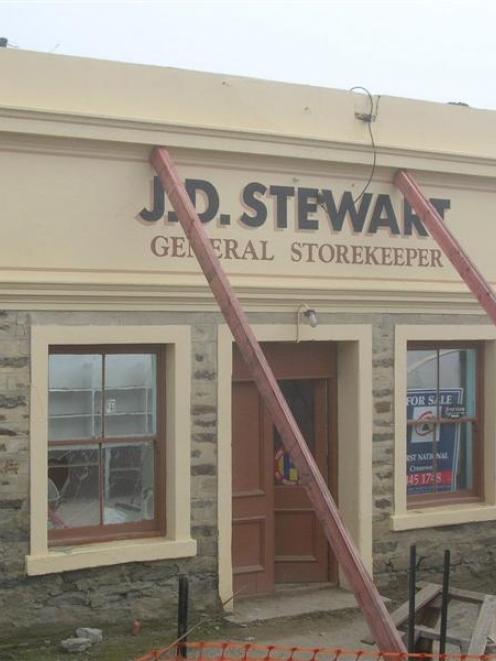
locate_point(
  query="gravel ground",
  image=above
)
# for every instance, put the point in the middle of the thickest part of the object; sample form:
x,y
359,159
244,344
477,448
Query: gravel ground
x,y
344,629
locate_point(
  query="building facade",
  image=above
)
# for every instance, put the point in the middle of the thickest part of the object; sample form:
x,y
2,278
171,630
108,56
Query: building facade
x,y
133,444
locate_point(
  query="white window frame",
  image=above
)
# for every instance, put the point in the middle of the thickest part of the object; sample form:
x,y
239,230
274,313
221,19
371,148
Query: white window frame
x,y
446,514
177,543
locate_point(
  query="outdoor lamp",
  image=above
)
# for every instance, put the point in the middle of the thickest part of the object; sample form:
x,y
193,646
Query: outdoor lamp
x,y
309,314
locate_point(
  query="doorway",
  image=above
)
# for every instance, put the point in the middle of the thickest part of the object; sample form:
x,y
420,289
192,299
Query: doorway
x,y
276,537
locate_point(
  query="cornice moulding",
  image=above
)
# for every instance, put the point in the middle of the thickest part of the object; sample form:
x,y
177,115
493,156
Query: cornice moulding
x,y
264,143
199,299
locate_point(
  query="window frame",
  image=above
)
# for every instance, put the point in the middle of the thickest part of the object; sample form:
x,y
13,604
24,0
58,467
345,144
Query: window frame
x,y
177,542
139,529
447,513
477,492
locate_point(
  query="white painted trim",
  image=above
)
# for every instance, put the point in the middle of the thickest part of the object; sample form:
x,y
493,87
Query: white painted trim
x,y
170,297
403,518
109,553
178,542
443,516
224,466
354,433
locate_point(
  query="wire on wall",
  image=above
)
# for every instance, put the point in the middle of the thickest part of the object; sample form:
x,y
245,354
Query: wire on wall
x,y
369,117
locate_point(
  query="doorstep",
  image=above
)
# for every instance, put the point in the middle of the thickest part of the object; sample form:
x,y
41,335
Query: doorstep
x,y
290,600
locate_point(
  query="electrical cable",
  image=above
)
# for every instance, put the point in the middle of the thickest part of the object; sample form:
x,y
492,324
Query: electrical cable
x,y
369,118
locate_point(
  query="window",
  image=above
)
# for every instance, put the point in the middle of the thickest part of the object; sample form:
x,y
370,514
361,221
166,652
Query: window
x,y
54,549
106,443
444,426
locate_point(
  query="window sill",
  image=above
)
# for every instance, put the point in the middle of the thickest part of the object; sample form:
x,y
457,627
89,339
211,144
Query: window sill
x,y
108,553
432,517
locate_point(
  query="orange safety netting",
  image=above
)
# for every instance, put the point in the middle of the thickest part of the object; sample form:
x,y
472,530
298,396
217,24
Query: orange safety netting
x,y
227,651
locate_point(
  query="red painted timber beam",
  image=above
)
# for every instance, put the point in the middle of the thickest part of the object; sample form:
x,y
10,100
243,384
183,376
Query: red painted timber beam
x,y
380,623
469,272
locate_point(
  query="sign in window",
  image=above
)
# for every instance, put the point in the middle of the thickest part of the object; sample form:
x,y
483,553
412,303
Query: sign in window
x,y
443,425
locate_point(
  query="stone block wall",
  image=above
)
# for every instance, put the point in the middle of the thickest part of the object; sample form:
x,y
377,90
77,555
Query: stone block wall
x,y
115,594
14,457
148,590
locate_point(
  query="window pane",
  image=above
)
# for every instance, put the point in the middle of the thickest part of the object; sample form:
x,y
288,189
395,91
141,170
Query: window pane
x,y
457,376
130,394
420,460
464,452
129,493
300,397
73,487
440,457
422,368
451,469
74,397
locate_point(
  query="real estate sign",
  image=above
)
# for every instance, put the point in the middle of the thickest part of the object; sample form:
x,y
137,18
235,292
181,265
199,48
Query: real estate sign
x,y
433,449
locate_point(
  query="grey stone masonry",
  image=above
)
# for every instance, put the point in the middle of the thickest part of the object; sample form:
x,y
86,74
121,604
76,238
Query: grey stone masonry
x,y
120,593
148,590
471,544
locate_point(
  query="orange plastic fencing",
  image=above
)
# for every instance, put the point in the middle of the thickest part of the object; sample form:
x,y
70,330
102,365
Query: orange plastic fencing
x,y
227,651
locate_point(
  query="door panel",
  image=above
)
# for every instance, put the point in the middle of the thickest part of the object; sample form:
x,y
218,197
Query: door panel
x,y
253,503
301,550
310,360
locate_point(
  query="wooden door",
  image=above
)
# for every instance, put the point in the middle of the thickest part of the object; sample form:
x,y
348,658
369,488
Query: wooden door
x,y
301,549
253,493
276,536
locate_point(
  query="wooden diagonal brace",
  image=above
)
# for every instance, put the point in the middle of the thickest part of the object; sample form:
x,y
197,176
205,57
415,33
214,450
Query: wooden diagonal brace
x,y
380,623
450,246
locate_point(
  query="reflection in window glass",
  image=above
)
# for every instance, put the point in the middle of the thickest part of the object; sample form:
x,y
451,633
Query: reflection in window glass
x,y
74,397
94,480
129,482
441,395
73,487
300,397
422,369
457,371
130,395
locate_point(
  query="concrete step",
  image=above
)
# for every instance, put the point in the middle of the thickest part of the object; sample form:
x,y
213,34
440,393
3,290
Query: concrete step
x,y
290,601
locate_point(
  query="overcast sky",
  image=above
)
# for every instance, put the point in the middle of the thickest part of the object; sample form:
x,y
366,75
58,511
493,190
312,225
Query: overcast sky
x,y
442,50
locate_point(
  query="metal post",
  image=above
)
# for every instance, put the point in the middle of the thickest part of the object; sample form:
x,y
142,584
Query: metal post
x,y
182,615
444,604
412,580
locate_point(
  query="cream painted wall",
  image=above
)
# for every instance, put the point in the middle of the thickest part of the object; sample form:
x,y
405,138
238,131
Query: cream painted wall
x,y
74,148
74,221
80,88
